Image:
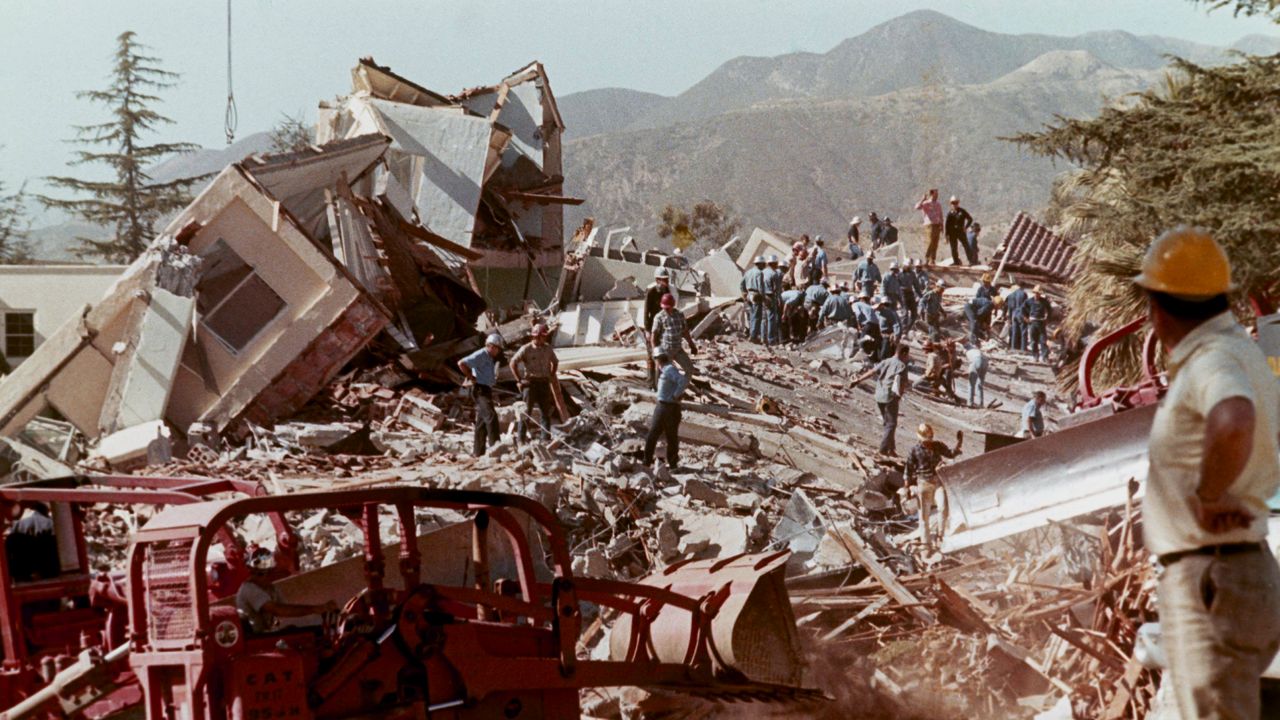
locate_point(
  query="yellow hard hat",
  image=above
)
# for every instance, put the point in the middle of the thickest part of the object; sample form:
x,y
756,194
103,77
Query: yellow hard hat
x,y
925,431
1186,262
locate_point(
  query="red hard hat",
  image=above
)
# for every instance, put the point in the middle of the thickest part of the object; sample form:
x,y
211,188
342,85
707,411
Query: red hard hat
x,y
668,300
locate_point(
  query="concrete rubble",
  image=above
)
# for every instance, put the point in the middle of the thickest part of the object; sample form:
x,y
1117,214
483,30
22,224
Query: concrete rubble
x,y
297,326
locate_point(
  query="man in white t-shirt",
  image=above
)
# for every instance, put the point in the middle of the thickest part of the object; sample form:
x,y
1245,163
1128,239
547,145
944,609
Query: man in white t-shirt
x,y
1214,464
259,601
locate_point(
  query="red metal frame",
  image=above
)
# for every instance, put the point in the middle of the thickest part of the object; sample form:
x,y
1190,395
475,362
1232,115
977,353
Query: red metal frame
x,y
1147,391
497,644
23,655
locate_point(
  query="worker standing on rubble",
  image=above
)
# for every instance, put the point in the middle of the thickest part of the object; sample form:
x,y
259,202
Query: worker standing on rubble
x,y
666,413
978,312
931,213
855,246
1036,313
957,226
921,474
1013,309
258,598
772,281
877,231
890,326
891,384
794,277
481,369
819,260
971,246
652,306
910,295
931,310
753,293
669,330
890,234
535,366
978,365
866,275
891,287
653,296
1213,466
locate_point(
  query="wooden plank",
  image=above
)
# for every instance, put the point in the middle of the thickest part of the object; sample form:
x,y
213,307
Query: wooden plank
x,y
860,553
842,627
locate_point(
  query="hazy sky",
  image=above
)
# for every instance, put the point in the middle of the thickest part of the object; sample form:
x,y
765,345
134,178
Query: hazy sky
x,y
289,54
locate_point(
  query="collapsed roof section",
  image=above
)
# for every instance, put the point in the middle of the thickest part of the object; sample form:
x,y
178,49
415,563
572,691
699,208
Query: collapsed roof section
x,y
1033,248
252,300
481,169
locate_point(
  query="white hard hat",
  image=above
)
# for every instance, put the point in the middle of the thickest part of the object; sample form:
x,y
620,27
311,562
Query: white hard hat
x,y
817,239
773,259
495,340
261,559
893,265
759,260
954,199
856,219
662,273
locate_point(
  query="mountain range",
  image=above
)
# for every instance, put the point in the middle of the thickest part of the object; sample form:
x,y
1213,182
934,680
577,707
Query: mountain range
x,y
803,141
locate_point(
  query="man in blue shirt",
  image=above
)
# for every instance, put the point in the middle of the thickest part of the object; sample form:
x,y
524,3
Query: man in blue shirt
x,y
1035,312
819,260
481,369
867,274
772,281
666,413
1032,417
836,309
753,292
1013,304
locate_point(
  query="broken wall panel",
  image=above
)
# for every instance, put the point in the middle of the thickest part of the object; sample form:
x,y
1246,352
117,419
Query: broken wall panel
x,y
1066,474
452,148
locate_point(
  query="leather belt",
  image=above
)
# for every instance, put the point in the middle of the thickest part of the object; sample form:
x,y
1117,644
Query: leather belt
x,y
1214,550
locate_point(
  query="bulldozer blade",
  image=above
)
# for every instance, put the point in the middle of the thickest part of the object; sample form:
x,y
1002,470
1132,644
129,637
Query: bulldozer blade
x,y
1075,471
753,635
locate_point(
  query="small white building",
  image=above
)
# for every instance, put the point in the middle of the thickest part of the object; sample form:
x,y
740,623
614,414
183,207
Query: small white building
x,y
36,299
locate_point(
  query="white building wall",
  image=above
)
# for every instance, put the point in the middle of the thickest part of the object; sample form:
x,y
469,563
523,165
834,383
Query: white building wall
x,y
52,293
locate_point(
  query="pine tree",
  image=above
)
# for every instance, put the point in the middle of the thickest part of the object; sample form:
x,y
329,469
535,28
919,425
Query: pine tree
x,y
130,204
14,224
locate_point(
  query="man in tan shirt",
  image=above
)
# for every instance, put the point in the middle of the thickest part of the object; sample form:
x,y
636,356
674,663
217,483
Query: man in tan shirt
x,y
534,366
1213,465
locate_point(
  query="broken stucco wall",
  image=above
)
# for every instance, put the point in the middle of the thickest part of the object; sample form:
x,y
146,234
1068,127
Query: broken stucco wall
x,y
277,316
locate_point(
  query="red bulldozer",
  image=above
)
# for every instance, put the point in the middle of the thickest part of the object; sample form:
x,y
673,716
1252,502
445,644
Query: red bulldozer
x,y
479,619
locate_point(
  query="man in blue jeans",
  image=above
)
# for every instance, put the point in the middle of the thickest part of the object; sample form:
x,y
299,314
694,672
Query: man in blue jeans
x,y
481,368
977,375
666,413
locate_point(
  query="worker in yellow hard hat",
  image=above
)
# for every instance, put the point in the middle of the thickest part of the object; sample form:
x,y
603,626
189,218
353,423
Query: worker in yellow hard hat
x,y
1213,465
921,474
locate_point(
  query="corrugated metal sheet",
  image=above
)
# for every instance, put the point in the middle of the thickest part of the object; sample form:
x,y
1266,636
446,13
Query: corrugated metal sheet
x,y
1032,247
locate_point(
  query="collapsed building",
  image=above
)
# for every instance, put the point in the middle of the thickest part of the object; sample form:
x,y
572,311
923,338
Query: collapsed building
x,y
480,169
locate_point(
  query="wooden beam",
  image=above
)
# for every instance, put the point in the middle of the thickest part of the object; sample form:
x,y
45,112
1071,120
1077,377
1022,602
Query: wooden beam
x,y
861,554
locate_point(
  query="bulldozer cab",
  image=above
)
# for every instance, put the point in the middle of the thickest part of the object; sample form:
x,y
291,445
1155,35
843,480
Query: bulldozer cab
x,y
475,619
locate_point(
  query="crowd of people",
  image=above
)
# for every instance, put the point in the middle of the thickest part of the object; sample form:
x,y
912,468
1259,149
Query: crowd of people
x,y
789,299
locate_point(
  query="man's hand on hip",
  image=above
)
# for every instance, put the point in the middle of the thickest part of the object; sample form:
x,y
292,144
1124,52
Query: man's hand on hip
x,y
1220,515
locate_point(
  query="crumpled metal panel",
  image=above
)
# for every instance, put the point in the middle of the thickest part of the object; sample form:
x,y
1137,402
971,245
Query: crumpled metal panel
x,y
1032,247
1063,475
